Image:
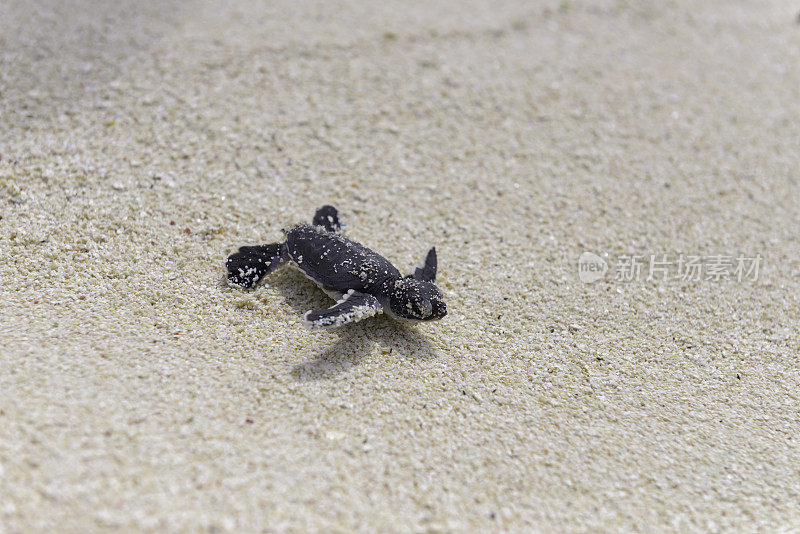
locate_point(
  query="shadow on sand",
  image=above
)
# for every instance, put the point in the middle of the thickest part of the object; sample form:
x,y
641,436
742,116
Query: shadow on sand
x,y
356,341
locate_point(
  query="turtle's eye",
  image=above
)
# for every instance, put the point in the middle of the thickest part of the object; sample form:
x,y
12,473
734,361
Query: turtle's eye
x,y
425,308
439,310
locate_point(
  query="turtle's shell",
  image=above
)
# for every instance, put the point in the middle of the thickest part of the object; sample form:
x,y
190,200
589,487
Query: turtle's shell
x,y
335,262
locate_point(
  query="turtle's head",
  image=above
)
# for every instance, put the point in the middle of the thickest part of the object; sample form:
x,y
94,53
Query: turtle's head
x,y
417,300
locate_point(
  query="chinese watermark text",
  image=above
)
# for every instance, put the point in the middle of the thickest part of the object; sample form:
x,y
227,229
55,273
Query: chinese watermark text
x,y
662,267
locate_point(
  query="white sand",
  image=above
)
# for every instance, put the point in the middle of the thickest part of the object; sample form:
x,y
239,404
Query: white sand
x,y
137,391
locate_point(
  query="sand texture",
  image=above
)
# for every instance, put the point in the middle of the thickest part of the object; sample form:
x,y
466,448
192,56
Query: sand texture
x,y
141,142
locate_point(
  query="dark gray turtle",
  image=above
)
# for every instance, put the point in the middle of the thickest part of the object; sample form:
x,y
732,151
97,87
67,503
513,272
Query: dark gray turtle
x,y
363,282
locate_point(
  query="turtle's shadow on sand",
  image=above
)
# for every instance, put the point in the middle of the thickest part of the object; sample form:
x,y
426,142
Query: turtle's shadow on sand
x,y
356,341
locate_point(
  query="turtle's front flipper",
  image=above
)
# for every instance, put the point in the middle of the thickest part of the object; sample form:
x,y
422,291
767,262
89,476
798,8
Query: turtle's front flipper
x,y
328,218
251,264
352,307
427,273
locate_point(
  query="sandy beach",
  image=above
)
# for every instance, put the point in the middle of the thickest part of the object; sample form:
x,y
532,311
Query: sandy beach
x,y
612,189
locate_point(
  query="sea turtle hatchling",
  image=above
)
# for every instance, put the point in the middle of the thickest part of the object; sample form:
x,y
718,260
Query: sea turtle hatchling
x,y
363,282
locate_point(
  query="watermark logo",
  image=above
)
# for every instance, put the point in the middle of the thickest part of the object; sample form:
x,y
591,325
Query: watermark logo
x,y
591,268
661,267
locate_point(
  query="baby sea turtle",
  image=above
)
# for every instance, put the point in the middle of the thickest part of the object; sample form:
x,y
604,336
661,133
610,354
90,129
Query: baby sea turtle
x,y
362,281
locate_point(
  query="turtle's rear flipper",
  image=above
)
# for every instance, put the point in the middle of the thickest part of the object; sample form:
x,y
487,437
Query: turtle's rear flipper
x,y
251,264
352,307
328,218
427,272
